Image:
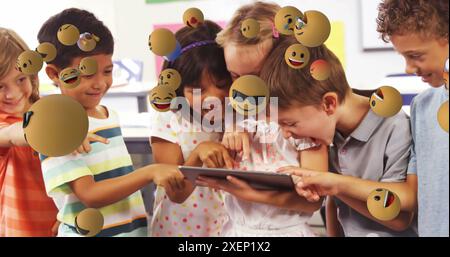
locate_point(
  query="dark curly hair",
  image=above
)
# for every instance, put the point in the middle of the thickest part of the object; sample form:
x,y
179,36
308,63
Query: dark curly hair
x,y
86,22
425,17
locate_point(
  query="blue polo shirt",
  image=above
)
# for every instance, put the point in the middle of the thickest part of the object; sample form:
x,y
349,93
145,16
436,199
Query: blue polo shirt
x,y
430,161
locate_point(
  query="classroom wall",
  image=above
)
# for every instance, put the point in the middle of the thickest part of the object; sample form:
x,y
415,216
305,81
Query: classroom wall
x,y
131,21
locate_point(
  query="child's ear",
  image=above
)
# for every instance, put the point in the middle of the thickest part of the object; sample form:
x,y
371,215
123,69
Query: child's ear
x,y
330,102
53,73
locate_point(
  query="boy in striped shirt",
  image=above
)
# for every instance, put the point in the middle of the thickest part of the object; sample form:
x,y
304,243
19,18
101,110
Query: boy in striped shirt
x,y
104,178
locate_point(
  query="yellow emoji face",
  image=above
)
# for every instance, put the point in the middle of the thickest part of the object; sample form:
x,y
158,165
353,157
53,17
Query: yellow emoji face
x,y
286,18
320,70
161,98
68,35
29,62
443,116
162,42
249,95
383,204
313,30
170,78
193,17
297,56
56,125
250,28
89,222
87,42
47,51
386,102
88,66
70,78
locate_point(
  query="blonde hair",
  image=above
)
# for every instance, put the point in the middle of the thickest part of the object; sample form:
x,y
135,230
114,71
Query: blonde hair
x,y
12,45
263,12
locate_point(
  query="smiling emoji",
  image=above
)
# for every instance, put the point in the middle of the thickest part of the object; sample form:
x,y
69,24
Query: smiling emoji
x,y
29,62
89,222
285,20
313,30
68,35
249,95
297,56
383,204
87,42
56,125
47,51
250,28
193,17
386,102
70,78
88,66
162,42
320,70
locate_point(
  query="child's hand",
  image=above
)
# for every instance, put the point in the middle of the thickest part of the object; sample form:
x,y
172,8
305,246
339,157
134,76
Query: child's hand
x,y
313,184
168,176
238,142
85,147
55,228
234,186
214,155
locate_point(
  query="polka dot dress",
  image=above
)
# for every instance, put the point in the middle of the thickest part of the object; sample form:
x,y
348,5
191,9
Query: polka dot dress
x,y
202,214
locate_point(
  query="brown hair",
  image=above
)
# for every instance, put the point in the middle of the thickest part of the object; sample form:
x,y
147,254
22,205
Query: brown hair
x,y
85,22
298,87
12,45
263,12
194,62
426,17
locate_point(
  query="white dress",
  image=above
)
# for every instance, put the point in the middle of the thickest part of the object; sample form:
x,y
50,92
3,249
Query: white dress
x,y
269,151
202,214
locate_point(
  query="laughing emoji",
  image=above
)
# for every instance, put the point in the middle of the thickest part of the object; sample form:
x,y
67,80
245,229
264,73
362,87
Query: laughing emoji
x,y
249,95
88,66
383,204
161,98
193,17
386,102
47,51
70,78
87,42
297,56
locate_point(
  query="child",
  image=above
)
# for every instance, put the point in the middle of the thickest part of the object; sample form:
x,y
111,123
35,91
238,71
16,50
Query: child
x,y
260,212
365,146
176,139
419,31
104,178
25,209
246,56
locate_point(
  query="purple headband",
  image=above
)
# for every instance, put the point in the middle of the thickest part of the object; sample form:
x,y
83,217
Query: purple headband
x,y
197,44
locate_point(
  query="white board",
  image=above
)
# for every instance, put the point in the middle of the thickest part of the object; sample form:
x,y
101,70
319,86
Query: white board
x,y
371,39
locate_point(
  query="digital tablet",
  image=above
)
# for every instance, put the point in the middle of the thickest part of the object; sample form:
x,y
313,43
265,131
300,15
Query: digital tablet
x,y
257,179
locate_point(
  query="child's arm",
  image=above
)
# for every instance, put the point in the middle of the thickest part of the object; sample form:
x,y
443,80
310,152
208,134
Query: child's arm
x,y
289,200
98,194
334,228
211,154
12,135
354,192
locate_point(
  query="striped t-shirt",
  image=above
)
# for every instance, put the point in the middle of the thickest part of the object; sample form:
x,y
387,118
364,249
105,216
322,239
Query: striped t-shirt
x,y
105,161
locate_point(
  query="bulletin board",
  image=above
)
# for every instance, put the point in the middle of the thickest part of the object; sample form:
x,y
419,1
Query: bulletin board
x,y
371,39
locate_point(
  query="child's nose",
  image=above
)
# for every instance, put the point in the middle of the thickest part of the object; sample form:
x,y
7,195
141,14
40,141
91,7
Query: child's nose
x,y
410,68
286,133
